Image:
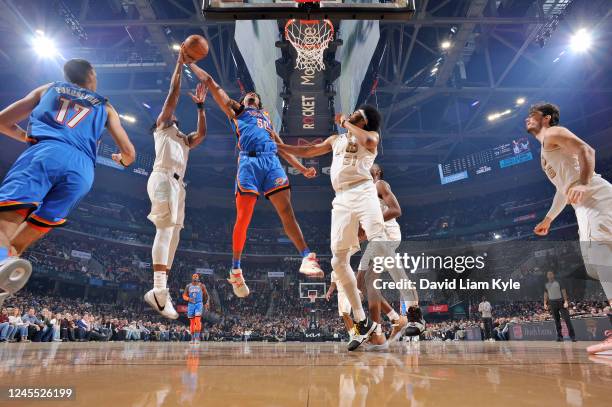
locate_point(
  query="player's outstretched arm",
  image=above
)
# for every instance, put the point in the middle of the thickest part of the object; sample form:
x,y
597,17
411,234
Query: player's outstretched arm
x,y
368,139
18,111
165,117
196,138
309,172
558,204
127,152
567,140
393,207
227,104
308,151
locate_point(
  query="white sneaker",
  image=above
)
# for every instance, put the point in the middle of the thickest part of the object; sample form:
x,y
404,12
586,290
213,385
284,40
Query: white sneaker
x,y
238,285
14,274
159,299
310,266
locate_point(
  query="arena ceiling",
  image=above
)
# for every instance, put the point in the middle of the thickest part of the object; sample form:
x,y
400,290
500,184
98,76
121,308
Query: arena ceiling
x,y
437,101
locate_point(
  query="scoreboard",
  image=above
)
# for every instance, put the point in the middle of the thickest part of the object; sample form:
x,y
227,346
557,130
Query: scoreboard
x,y
142,166
502,156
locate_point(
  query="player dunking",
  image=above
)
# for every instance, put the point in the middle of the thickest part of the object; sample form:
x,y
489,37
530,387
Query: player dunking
x,y
166,189
259,172
413,325
356,202
569,163
48,180
196,295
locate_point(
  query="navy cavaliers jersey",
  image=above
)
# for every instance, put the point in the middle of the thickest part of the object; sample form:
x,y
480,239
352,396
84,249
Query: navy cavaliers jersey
x,y
252,127
69,114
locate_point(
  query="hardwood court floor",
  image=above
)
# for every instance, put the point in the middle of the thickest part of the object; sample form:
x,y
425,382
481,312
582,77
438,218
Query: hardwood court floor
x,y
310,374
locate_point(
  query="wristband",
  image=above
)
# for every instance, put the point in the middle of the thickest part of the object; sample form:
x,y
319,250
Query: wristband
x,y
200,105
122,163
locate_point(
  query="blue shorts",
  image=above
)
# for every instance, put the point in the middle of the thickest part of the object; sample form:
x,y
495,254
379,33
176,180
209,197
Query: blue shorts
x,y
194,309
260,174
48,180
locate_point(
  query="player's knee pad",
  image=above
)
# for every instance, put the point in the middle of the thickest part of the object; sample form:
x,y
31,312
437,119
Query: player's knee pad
x,y
161,245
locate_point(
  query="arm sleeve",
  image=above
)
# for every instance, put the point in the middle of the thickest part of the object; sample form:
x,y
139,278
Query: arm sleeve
x,y
558,204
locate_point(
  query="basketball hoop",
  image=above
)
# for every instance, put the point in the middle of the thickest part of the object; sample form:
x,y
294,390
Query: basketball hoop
x,y
310,39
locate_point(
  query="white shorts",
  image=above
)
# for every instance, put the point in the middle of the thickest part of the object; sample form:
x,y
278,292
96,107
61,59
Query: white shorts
x,y
351,208
594,218
594,215
167,196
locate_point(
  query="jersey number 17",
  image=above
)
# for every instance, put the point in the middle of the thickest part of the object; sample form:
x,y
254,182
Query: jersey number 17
x,y
81,112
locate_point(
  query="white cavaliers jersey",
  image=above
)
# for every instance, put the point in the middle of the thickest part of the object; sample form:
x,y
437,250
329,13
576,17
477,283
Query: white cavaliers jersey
x,y
392,228
351,162
561,168
171,150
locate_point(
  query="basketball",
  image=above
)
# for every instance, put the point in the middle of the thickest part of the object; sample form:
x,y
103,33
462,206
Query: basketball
x,y
196,47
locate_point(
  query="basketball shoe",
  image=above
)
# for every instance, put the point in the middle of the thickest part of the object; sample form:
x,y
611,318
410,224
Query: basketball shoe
x,y
238,285
416,323
361,332
604,347
14,274
399,327
310,266
159,299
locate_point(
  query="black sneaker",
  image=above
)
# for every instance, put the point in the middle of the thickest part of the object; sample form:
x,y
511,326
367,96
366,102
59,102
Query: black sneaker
x,y
416,323
361,333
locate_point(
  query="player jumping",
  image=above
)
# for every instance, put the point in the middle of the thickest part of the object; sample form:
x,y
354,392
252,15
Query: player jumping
x,y
259,172
356,202
48,180
569,163
195,293
166,189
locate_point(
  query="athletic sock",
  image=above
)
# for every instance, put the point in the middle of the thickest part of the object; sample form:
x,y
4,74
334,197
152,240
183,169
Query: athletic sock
x,y
235,264
305,252
4,253
159,279
392,315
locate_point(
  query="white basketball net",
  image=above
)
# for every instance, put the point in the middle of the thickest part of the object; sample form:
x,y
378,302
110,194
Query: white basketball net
x,y
310,39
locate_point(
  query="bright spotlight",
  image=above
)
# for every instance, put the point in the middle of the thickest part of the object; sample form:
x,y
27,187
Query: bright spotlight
x,y
581,41
176,47
434,70
493,116
497,236
445,44
43,46
520,101
128,118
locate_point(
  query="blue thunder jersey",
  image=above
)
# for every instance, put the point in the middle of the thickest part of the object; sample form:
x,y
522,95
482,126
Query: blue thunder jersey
x,y
252,127
69,114
195,292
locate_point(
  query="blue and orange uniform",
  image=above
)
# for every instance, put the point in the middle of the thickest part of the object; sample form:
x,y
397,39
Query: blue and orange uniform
x,y
196,295
56,171
259,168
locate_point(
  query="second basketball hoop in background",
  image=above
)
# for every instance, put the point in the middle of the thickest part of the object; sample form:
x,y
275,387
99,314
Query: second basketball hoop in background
x,y
310,38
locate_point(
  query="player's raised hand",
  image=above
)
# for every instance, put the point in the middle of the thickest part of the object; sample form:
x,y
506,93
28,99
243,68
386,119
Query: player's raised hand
x,y
310,172
117,158
183,58
543,227
200,93
340,119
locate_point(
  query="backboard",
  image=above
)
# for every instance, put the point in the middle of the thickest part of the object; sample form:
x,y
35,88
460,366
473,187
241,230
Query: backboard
x,y
326,9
